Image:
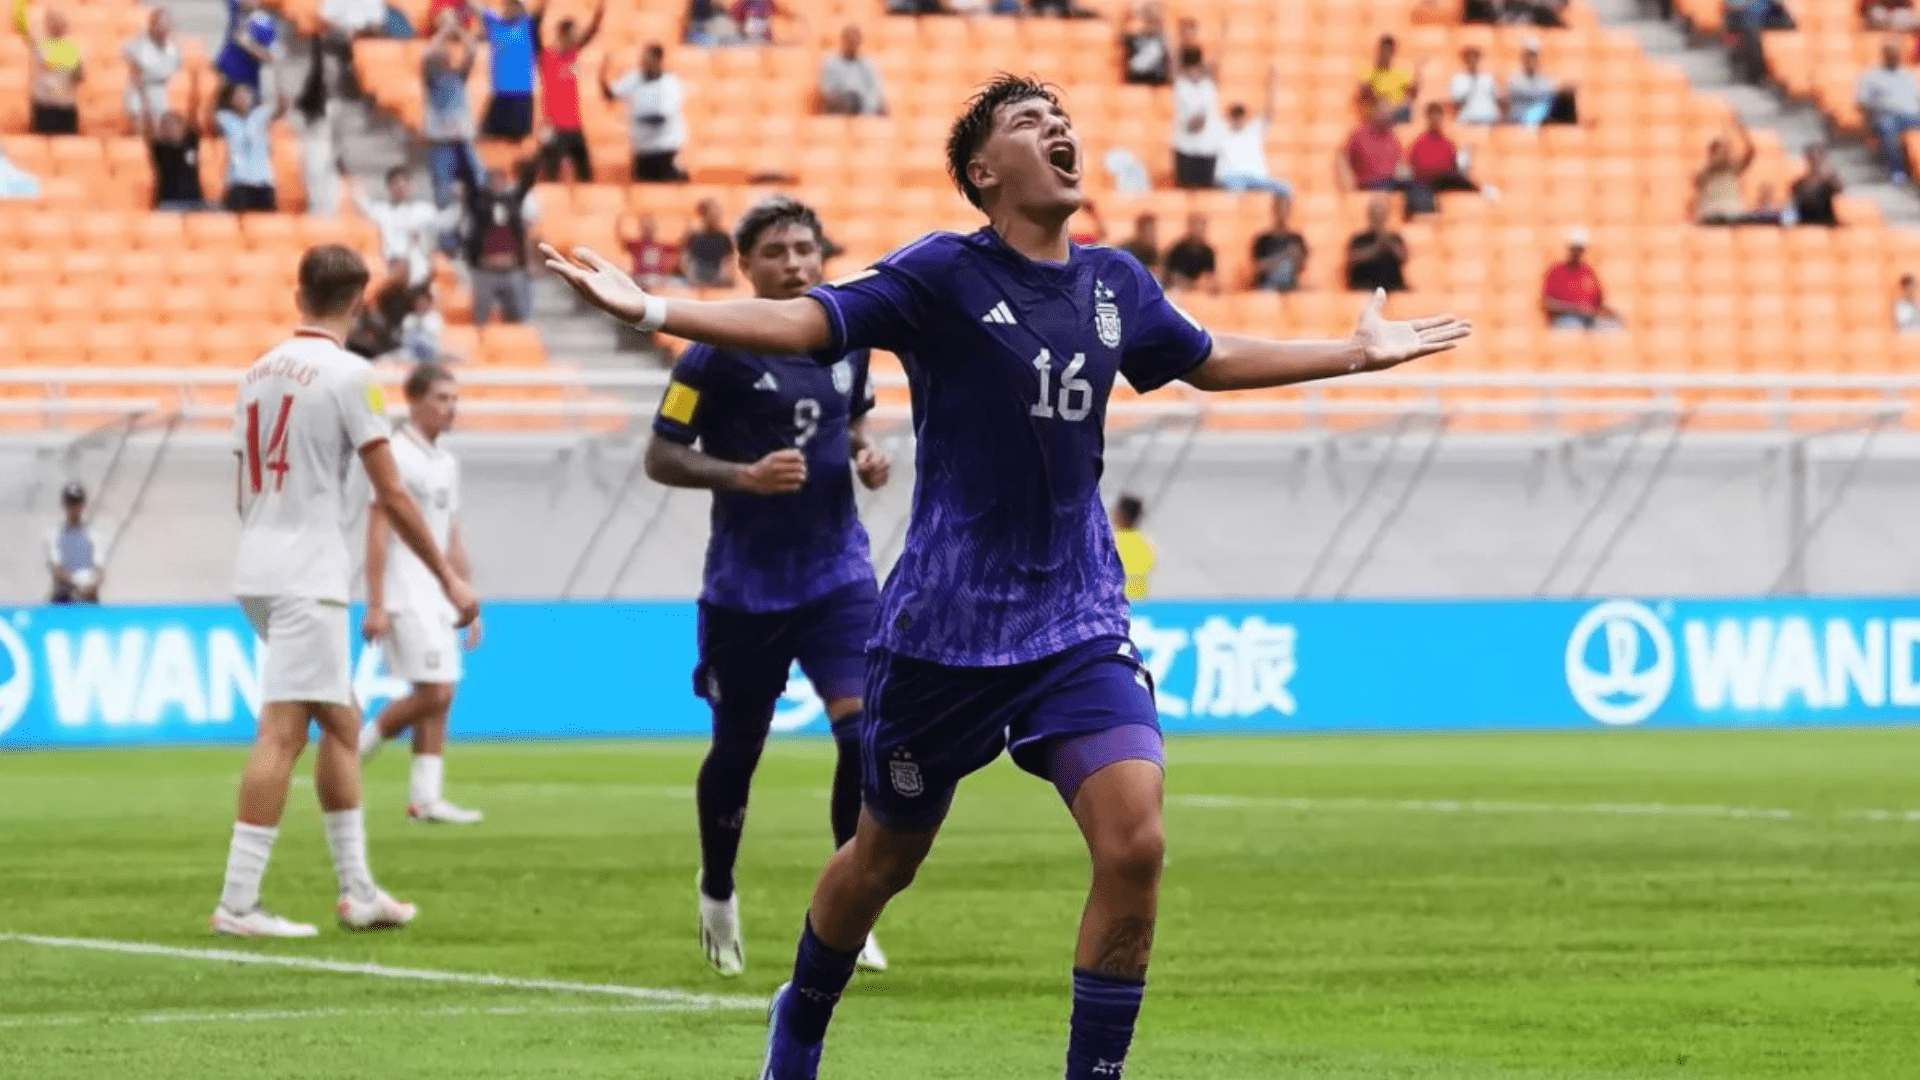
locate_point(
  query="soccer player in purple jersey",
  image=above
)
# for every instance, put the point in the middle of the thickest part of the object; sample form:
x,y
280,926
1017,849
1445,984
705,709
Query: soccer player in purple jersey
x,y
788,574
1005,623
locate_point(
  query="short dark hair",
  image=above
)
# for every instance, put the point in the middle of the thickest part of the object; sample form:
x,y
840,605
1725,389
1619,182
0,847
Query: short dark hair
x,y
973,126
332,279
1129,510
396,173
421,379
773,212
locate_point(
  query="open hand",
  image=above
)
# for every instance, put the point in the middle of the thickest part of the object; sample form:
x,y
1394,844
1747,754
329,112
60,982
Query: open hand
x,y
1385,343
598,282
872,466
779,473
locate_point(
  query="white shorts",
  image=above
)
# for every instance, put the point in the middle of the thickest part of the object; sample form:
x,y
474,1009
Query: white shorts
x,y
307,648
422,647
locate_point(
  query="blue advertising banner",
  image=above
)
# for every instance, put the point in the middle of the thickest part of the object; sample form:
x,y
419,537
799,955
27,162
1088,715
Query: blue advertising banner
x,y
77,676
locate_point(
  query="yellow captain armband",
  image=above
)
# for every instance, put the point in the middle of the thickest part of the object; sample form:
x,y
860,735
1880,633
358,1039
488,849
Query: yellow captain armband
x,y
679,403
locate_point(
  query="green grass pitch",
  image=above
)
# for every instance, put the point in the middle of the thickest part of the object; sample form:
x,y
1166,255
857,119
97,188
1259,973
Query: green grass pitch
x,y
1461,907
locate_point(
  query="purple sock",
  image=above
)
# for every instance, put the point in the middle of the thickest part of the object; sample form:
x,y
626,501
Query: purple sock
x,y
820,973
1104,1009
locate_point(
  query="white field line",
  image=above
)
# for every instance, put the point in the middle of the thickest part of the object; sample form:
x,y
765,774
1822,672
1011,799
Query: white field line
x,y
1494,806
256,1016
682,998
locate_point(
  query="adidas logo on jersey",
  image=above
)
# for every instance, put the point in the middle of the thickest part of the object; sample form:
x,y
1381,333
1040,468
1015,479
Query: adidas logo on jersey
x,y
1001,314
766,383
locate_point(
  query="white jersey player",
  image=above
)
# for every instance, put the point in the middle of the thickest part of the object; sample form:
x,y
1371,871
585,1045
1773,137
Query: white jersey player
x,y
305,410
406,612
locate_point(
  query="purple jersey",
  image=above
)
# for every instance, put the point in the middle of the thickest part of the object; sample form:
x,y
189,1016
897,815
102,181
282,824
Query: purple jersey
x,y
773,552
1008,556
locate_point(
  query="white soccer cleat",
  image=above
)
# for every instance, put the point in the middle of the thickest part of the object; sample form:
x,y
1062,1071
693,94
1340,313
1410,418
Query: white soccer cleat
x,y
444,813
871,958
720,934
382,912
370,740
258,923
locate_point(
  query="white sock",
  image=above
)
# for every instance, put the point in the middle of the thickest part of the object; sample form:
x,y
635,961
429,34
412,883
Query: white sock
x,y
347,840
369,739
247,858
429,773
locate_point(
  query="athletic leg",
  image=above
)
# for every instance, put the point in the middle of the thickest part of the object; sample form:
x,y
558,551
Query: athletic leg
x,y
277,744
336,780
1119,812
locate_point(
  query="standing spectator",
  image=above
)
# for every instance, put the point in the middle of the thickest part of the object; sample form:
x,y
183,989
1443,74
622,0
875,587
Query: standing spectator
x,y
1390,84
655,126
253,36
174,145
498,216
1890,99
1242,164
1474,93
1143,42
448,121
1137,554
655,262
153,59
1533,96
247,126
319,115
1377,256
1190,262
341,23
1280,253
1814,191
1716,186
849,83
560,93
1370,160
1196,122
709,250
55,71
75,557
1144,244
1906,307
1435,163
407,226
1571,295
510,48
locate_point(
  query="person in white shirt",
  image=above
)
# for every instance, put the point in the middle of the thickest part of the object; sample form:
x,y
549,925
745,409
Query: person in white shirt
x,y
409,228
1889,97
306,409
153,59
406,612
1475,94
76,557
655,127
1242,162
849,83
1906,307
1196,122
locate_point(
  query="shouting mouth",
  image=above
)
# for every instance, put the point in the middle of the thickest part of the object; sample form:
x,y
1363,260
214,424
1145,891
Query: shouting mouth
x,y
1064,156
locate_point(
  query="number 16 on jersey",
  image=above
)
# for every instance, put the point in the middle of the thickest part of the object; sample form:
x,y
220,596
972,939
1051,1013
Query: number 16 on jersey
x,y
1075,397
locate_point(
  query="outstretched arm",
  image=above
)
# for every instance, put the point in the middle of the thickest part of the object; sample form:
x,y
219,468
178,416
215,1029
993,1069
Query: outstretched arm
x,y
593,28
1250,363
787,327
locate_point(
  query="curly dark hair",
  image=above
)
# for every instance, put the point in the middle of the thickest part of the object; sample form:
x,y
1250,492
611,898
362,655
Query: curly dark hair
x,y
976,123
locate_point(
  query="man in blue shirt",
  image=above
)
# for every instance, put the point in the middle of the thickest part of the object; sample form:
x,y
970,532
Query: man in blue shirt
x,y
252,33
510,49
788,573
1005,622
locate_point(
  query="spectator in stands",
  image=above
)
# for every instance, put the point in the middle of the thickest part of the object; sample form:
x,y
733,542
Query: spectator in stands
x,y
55,73
1535,97
1242,161
1190,263
252,41
76,559
510,51
1814,191
1548,13
15,182
1906,307
1571,295
341,23
708,23
1377,256
709,250
1144,244
246,124
174,145
1767,209
1474,93
498,217
153,59
1280,253
1893,15
1390,84
319,114
421,330
1370,159
463,14
1196,121
753,20
1143,44
1435,163
655,127
448,120
655,262
849,83
560,93
1137,554
1716,186
407,226
376,333
1890,99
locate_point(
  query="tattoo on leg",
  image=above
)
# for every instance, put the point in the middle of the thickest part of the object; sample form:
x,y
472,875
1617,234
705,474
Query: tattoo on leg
x,y
1124,949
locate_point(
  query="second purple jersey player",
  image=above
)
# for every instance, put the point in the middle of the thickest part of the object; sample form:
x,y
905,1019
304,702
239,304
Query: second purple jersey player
x,y
1004,621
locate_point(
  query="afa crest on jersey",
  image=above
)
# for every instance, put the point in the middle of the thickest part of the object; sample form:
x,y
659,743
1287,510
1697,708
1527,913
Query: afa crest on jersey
x,y
843,377
1106,315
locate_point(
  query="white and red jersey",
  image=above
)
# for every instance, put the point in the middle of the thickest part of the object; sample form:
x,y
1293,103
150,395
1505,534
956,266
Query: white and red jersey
x,y
432,476
305,411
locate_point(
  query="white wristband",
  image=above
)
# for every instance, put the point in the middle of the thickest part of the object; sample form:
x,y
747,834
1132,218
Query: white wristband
x,y
653,314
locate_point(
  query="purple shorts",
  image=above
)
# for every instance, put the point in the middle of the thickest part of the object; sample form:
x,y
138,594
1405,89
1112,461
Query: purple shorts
x,y
745,655
1063,717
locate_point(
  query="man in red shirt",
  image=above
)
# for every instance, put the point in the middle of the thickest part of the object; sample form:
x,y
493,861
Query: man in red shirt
x,y
1434,158
560,94
1370,160
655,261
1571,295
